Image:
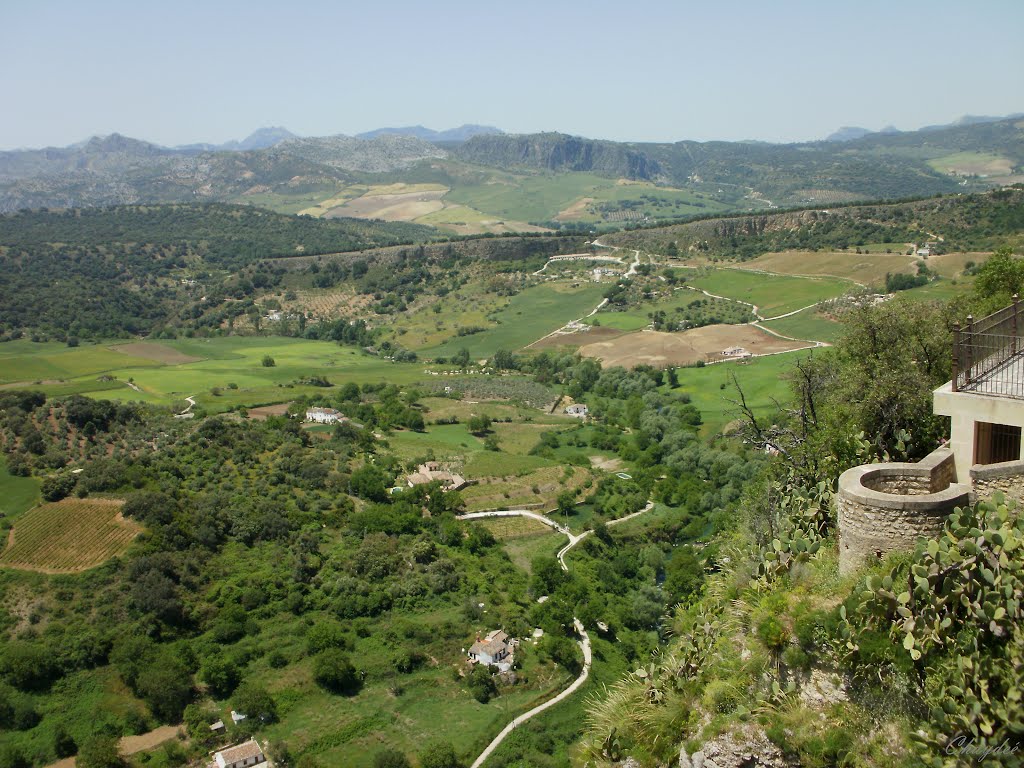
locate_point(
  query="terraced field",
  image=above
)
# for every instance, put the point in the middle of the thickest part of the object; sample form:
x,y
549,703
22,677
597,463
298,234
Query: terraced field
x,y
69,536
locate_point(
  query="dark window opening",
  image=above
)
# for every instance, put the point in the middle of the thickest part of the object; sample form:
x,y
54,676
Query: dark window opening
x,y
994,443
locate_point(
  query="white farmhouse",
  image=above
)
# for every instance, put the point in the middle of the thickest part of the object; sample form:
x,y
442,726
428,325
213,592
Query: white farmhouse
x,y
737,353
495,649
579,410
324,415
245,754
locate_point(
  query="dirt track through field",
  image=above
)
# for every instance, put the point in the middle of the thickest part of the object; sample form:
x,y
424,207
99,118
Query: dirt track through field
x,y
131,744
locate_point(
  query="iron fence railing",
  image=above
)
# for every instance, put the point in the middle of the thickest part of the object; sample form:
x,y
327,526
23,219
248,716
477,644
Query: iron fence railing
x,y
988,354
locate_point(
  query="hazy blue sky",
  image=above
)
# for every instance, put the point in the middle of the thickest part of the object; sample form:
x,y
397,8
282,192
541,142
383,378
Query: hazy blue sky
x,y
181,71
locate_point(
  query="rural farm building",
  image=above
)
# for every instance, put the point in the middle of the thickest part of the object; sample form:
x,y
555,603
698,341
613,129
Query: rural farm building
x,y
431,472
495,649
736,353
324,415
579,410
245,754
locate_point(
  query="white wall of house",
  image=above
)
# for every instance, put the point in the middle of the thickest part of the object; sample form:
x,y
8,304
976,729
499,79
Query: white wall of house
x,y
966,410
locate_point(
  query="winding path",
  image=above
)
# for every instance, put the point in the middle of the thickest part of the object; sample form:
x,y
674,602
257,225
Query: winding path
x,y
584,641
191,404
629,273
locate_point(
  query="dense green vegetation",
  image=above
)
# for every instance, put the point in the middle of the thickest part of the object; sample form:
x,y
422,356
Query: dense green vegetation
x,y
132,270
291,572
831,669
260,531
964,222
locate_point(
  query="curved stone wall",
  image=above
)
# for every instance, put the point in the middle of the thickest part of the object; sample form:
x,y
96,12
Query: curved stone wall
x,y
888,507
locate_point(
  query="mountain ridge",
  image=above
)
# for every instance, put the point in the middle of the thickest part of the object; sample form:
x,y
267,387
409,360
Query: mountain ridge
x,y
462,133
120,170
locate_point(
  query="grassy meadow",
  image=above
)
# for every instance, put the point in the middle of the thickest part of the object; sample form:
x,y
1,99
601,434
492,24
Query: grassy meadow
x,y
762,380
772,294
636,317
527,317
867,268
808,324
220,363
17,494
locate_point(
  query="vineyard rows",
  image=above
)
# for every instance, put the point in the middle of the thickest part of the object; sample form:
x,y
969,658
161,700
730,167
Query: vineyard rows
x,y
68,536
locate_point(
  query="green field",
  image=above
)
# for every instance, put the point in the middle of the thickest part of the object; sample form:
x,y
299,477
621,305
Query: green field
x,y
529,198
773,294
531,314
973,163
543,196
637,317
290,204
940,290
17,494
25,361
807,325
227,360
761,379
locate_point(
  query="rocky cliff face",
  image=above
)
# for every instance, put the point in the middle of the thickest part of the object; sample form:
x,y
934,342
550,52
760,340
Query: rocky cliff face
x,y
559,152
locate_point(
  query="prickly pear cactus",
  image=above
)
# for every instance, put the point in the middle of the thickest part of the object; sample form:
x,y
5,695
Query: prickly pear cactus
x,y
957,611
803,521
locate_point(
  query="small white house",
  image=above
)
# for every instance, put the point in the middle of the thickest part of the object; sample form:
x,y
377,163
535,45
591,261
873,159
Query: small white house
x,y
579,410
324,415
738,353
245,754
495,649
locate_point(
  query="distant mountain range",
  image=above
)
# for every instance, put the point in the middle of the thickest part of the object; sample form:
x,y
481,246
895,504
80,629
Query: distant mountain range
x,y
274,167
259,139
462,133
264,138
850,132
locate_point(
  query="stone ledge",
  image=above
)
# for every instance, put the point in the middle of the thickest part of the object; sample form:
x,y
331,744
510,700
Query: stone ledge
x,y
854,485
998,471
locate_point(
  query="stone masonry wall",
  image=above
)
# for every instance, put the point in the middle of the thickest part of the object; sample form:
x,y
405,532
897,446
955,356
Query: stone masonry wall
x,y
867,531
887,507
901,485
1007,478
943,474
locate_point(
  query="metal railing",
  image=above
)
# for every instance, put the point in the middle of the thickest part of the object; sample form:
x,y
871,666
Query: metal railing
x,y
988,354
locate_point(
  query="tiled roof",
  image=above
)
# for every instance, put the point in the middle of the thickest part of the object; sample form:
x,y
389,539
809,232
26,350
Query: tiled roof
x,y
243,751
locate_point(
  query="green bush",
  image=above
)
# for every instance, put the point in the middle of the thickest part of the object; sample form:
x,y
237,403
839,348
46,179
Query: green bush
x,y
481,684
796,658
333,670
391,758
99,752
327,633
56,487
772,633
439,754
721,696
